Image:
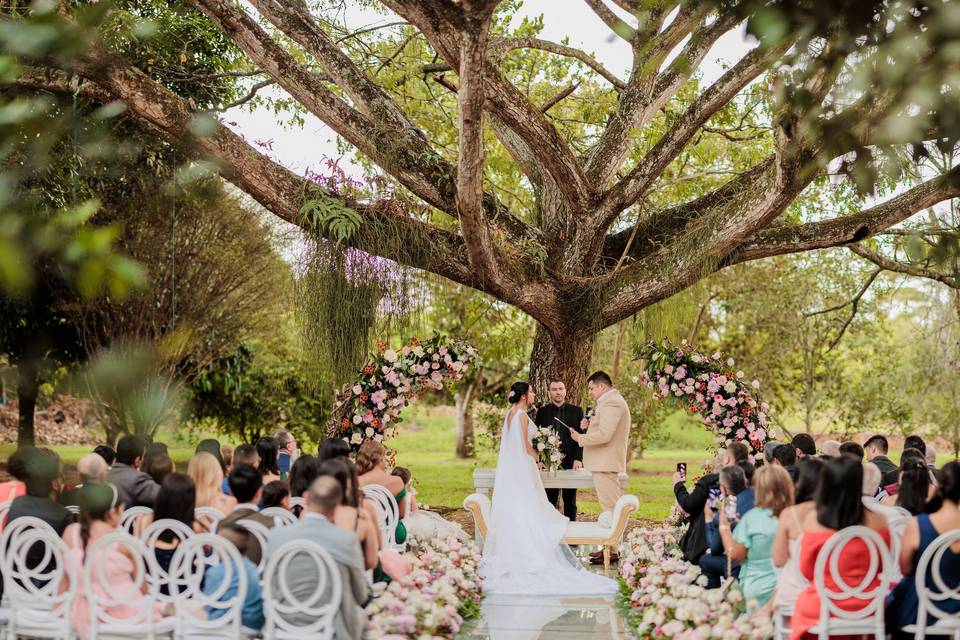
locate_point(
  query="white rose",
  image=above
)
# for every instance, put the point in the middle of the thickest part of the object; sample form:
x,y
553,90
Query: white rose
x,y
729,362
541,446
418,351
357,390
357,419
390,355
356,438
730,387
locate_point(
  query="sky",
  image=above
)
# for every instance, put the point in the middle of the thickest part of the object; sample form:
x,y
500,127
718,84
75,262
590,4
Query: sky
x,y
300,148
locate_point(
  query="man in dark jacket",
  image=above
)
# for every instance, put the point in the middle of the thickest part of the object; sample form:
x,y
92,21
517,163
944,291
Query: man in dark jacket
x,y
876,452
561,417
694,541
138,488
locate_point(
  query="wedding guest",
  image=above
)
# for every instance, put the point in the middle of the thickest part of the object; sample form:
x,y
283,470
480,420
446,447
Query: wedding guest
x,y
275,494
137,488
852,449
158,467
804,444
559,415
212,446
930,455
751,543
40,499
107,453
176,501
287,446
101,507
786,456
830,449
896,517
226,454
888,492
323,498
838,505
372,469
92,469
269,452
17,468
914,489
246,485
915,442
243,454
349,515
333,448
714,563
251,613
875,450
302,474
207,474
768,451
903,606
786,544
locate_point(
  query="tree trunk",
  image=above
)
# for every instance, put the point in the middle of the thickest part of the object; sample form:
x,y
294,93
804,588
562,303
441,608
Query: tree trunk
x,y
28,388
566,359
463,399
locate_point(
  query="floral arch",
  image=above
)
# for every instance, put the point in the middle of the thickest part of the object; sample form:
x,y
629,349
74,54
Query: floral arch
x,y
391,379
710,387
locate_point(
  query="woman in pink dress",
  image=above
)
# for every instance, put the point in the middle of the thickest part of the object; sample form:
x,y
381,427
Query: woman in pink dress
x,y
100,510
838,505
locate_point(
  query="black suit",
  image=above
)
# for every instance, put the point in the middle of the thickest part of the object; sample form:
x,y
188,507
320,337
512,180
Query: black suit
x,y
559,418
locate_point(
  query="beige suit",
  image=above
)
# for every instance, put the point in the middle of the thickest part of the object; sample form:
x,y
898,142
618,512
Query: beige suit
x,y
605,446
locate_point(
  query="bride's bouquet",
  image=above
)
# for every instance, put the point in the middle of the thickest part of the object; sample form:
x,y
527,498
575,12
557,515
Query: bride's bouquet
x,y
547,443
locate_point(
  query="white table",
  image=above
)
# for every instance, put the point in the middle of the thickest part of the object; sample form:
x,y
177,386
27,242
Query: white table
x,y
563,479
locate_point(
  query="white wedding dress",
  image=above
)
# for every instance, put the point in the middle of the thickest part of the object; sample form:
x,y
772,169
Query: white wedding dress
x,y
523,552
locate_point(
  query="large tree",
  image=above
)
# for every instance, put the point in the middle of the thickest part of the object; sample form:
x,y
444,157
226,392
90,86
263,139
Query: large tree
x,y
596,242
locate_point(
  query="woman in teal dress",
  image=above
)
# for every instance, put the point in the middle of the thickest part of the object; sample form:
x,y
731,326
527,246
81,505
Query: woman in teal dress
x,y
372,469
752,540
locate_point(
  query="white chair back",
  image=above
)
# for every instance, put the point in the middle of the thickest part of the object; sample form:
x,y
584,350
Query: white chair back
x,y
5,509
130,516
931,600
159,576
39,579
389,512
209,517
281,517
105,597
193,559
297,501
260,532
871,590
280,604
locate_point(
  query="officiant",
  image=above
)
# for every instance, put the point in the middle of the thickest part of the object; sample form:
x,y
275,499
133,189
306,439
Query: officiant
x,y
559,416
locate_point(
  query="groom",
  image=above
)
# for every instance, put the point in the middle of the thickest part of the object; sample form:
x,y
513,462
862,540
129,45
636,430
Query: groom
x,y
605,442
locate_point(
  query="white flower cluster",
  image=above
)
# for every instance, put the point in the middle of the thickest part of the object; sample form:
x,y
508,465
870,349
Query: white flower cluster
x,y
547,443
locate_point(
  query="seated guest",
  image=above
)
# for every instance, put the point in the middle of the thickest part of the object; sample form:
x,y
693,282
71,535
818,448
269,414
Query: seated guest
x,y
176,501
17,469
752,542
275,494
349,515
212,446
875,450
92,469
107,453
137,487
302,474
372,468
914,488
830,449
930,455
786,544
323,497
287,451
838,505
41,482
804,444
713,564
246,486
903,605
100,510
244,454
158,467
896,517
786,456
423,524
205,471
226,454
915,442
891,489
251,615
333,448
768,451
269,451
851,449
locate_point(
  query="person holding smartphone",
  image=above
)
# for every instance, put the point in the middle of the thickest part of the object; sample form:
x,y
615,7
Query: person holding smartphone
x,y
737,499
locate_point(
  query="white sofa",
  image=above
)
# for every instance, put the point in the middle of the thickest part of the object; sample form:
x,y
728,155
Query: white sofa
x,y
606,532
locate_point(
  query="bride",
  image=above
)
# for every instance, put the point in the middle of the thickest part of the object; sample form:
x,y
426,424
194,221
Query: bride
x,y
524,552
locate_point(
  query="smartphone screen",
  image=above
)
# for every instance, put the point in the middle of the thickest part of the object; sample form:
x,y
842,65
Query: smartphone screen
x,y
714,498
730,507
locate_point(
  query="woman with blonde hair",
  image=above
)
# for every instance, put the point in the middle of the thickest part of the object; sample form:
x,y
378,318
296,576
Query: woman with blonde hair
x,y
207,475
751,542
372,469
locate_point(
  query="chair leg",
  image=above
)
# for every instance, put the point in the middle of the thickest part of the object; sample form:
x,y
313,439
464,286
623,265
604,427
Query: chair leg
x,y
606,557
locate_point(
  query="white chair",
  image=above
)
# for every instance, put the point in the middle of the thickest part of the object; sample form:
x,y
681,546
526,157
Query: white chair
x,y
296,501
104,597
389,513
4,510
280,604
192,560
73,509
260,532
38,595
930,600
872,589
158,575
782,617
208,516
281,516
130,516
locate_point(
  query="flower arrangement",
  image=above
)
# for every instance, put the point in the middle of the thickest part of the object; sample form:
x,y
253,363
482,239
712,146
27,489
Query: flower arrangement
x,y
392,379
547,443
664,596
442,590
710,387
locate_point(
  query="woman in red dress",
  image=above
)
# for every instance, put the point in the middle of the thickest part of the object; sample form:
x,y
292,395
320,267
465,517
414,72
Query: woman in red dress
x,y
838,505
